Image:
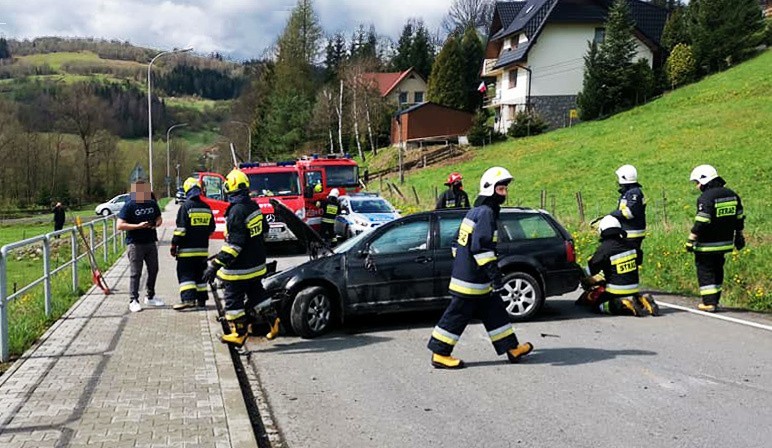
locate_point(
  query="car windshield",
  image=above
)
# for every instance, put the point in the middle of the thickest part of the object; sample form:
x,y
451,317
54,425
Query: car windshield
x,y
374,205
274,184
342,176
348,244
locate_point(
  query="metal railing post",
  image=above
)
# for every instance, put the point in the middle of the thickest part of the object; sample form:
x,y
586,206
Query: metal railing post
x,y
91,237
115,235
47,273
74,252
4,349
104,240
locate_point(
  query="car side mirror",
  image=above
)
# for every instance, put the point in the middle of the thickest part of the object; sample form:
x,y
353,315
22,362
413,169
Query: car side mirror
x,y
308,192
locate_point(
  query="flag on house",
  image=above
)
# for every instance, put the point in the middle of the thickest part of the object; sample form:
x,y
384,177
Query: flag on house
x,y
483,88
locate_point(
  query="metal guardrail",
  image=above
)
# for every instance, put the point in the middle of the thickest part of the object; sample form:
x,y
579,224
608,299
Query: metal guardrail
x,y
48,273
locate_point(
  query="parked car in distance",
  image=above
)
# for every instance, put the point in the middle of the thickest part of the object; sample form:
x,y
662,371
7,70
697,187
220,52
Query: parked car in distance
x,y
179,196
362,212
112,206
405,265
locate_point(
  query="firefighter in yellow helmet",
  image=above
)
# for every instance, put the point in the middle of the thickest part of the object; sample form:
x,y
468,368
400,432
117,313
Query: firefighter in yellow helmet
x,y
190,245
240,264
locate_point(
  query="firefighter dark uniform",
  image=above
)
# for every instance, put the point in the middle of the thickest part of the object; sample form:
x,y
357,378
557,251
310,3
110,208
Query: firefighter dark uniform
x,y
240,264
190,245
631,207
474,275
330,211
717,229
454,196
615,263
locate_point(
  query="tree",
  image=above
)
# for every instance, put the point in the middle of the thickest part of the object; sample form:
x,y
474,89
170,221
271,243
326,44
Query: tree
x,y
480,132
402,59
335,55
297,50
676,30
421,50
681,66
616,55
724,32
446,83
285,125
670,5
5,52
464,14
472,56
590,100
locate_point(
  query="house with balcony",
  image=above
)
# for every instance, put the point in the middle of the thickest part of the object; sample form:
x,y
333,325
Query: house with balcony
x,y
535,53
404,88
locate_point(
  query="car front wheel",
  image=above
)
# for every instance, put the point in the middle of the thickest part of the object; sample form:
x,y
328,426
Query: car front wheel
x,y
312,312
105,212
522,296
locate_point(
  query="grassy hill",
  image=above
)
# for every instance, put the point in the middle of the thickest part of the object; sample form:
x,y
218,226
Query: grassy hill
x,y
723,120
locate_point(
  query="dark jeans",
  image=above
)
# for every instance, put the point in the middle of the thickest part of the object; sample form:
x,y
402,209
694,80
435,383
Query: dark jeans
x,y
138,254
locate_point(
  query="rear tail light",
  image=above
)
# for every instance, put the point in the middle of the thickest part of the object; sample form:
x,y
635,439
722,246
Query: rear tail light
x,y
570,252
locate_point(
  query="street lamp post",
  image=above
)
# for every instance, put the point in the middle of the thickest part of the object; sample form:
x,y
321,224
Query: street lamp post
x,y
249,138
168,174
150,112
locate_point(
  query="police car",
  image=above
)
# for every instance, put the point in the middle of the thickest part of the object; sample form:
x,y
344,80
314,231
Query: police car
x,y
362,212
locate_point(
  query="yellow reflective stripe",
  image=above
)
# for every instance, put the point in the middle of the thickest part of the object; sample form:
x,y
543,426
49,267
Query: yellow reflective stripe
x,y
179,231
624,256
328,220
622,289
625,209
203,253
444,336
500,333
217,261
485,257
495,236
187,286
234,314
232,250
710,289
201,287
699,218
472,289
635,233
241,274
717,248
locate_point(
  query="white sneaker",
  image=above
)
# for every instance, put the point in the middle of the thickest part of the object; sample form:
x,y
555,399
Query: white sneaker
x,y
155,301
134,306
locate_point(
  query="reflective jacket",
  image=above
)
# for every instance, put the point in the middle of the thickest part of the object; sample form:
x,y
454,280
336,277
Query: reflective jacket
x,y
243,254
618,260
476,264
194,225
330,210
631,211
453,199
719,214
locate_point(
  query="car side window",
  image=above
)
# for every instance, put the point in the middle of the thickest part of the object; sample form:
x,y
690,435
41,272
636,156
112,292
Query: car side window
x,y
449,230
526,227
406,237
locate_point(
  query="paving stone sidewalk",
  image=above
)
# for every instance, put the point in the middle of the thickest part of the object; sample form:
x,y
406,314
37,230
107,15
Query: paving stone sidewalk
x,y
105,377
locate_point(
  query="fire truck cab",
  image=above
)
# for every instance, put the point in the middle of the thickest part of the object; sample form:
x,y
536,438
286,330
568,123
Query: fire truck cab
x,y
298,184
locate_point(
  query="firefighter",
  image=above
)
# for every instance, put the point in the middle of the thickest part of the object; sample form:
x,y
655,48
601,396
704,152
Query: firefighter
x,y
476,282
631,208
612,286
330,211
240,264
454,196
190,245
718,228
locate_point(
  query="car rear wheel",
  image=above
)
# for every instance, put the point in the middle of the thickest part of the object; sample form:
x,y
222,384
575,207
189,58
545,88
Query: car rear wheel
x,y
522,296
105,212
312,312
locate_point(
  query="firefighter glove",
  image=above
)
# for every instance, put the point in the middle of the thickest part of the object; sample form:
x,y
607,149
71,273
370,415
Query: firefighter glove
x,y
739,240
173,250
689,245
210,273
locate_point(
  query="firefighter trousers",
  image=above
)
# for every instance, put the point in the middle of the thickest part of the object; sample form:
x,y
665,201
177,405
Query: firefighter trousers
x,y
710,275
636,243
235,293
190,273
489,309
328,232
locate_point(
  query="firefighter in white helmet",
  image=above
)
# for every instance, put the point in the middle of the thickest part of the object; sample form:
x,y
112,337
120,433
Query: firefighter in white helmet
x,y
476,281
631,207
330,211
718,228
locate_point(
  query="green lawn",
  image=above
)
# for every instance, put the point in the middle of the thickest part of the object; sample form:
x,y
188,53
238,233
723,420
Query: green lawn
x,y
723,120
56,60
198,104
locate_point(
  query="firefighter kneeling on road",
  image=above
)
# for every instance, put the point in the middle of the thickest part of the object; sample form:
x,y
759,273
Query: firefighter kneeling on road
x,y
612,287
330,211
240,264
476,281
190,245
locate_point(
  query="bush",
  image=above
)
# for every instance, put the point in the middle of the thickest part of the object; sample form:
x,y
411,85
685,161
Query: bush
x,y
768,32
480,132
681,66
525,124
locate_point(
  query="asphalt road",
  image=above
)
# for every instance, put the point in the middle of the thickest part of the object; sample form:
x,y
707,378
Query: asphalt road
x,y
678,380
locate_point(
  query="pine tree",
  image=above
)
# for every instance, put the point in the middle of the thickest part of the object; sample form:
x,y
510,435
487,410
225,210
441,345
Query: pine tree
x,y
616,55
421,52
401,60
724,32
590,99
446,82
298,48
5,52
472,55
335,55
676,30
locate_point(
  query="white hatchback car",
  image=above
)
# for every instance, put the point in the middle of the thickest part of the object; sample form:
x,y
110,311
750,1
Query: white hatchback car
x,y
112,206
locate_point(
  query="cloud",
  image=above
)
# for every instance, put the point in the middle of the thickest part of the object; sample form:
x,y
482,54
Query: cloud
x,y
242,29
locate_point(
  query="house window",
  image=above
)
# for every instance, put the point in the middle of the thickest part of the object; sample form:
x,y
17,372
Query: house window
x,y
402,97
419,97
513,79
600,35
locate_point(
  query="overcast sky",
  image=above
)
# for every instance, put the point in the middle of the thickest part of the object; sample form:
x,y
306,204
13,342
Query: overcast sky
x,y
241,29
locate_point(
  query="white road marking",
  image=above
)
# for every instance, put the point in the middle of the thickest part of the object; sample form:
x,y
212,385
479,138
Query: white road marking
x,y
717,316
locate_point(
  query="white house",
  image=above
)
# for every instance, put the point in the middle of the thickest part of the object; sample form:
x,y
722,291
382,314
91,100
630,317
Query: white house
x,y
536,48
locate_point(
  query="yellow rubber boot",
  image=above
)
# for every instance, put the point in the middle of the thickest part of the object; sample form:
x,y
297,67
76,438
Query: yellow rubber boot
x,y
707,308
633,306
274,330
446,362
518,352
648,303
237,336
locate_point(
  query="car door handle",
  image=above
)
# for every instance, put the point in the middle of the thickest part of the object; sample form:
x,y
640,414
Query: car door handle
x,y
423,260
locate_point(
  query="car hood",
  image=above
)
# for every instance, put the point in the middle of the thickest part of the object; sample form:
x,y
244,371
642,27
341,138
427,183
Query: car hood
x,y
325,267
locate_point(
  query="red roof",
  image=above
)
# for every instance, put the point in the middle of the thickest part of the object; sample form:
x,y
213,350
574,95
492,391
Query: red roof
x,y
386,82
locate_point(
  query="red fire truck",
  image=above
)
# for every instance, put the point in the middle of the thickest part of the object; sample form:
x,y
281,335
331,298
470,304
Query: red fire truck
x,y
298,184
